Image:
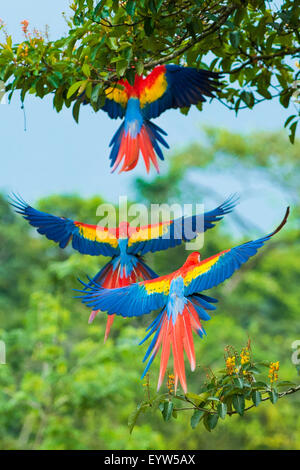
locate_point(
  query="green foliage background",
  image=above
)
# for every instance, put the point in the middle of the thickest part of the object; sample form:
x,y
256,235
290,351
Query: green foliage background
x,y
63,389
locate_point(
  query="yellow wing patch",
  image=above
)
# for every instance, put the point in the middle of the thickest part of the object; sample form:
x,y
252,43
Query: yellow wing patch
x,y
203,268
159,287
117,95
155,91
96,234
149,233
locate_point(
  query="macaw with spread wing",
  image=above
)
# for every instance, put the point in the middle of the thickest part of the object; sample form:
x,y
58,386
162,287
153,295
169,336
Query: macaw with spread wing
x,y
181,301
166,87
125,245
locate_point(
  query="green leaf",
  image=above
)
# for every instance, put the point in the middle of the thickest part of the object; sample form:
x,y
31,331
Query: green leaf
x,y
88,89
197,415
285,98
127,53
289,119
265,93
293,128
75,111
139,67
213,399
197,399
239,383
9,42
73,88
99,7
130,75
210,421
159,4
273,396
112,43
248,98
54,81
90,3
222,410
95,92
96,49
240,13
205,422
152,6
86,70
71,45
238,402
58,100
121,67
148,26
40,89
234,37
167,410
256,397
130,7
185,110
197,25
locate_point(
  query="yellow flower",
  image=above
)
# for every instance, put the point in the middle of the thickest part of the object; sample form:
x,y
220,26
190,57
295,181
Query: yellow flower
x,y
170,383
274,368
245,356
230,364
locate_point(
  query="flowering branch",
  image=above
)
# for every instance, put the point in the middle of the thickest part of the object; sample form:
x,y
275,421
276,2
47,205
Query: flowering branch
x,y
224,395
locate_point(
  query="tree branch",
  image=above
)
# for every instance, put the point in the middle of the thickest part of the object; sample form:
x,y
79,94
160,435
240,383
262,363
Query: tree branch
x,y
210,30
257,58
290,391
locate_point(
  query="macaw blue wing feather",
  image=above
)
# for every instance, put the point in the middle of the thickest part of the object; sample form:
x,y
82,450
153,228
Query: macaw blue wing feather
x,y
87,239
129,301
215,270
172,233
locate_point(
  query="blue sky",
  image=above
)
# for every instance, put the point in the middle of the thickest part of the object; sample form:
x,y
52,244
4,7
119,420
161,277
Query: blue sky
x,y
56,155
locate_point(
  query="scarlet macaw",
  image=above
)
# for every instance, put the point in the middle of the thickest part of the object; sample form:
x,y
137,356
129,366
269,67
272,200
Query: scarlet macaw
x,y
166,87
124,244
181,302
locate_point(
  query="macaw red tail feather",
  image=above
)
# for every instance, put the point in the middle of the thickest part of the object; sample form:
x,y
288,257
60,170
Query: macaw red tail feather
x,y
110,320
110,279
177,336
127,147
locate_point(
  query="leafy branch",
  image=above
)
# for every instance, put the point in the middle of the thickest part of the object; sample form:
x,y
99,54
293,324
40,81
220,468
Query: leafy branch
x,y
197,39
249,42
233,390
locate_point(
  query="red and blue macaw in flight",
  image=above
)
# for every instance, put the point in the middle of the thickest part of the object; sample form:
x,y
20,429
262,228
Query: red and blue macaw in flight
x,y
166,87
125,245
181,301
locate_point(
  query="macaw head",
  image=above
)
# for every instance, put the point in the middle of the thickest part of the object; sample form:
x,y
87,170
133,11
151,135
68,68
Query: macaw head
x,y
192,260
